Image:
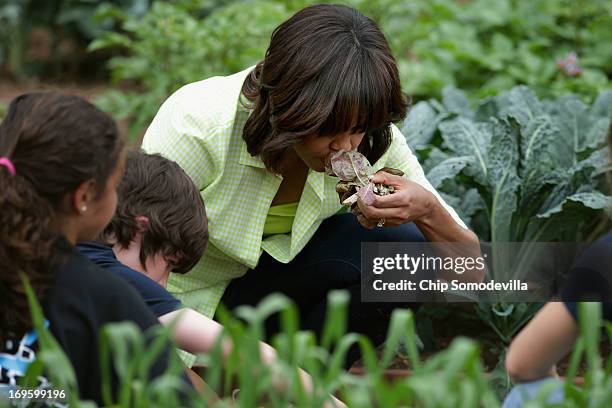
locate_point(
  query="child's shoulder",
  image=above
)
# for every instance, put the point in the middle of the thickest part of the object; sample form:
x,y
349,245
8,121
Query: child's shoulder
x,y
598,256
104,257
157,298
590,278
81,277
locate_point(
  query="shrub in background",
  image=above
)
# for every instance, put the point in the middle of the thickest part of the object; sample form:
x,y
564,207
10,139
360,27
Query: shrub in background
x,y
174,44
483,47
48,38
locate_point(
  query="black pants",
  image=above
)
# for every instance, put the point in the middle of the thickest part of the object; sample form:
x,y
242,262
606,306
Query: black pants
x,y
331,260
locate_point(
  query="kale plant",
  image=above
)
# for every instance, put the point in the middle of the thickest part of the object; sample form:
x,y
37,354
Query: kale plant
x,y
517,169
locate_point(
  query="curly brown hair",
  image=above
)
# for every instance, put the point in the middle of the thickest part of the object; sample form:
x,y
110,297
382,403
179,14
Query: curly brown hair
x,y
55,142
328,69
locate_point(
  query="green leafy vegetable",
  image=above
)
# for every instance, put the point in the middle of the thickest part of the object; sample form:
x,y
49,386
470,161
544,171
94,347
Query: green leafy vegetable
x,y
518,169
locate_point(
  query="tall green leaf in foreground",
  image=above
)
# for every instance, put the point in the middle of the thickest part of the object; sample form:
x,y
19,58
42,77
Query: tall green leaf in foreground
x,y
454,377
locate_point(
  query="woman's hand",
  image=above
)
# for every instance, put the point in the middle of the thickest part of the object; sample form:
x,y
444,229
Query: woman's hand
x,y
410,202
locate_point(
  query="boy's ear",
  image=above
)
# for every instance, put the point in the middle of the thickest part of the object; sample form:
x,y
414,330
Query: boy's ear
x,y
143,222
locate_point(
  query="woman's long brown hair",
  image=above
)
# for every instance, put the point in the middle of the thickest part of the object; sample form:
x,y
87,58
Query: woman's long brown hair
x,y
328,69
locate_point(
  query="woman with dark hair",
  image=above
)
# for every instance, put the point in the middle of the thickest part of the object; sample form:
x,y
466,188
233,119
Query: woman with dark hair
x,y
255,144
61,160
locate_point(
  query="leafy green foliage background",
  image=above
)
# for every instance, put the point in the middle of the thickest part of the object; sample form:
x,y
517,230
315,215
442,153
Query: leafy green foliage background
x,y
60,20
480,46
517,168
518,163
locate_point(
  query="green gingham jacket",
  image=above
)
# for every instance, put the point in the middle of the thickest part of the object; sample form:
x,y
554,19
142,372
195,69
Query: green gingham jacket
x,y
200,128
